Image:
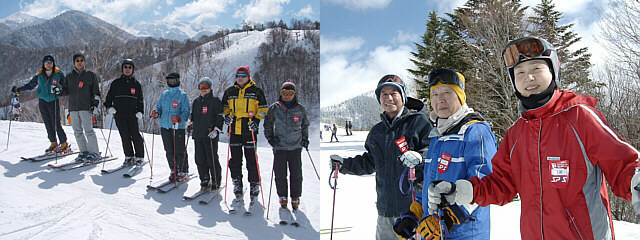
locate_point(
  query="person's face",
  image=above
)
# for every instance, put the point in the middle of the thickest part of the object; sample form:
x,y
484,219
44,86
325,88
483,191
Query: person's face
x,y
391,100
242,78
204,89
48,65
532,77
444,101
78,63
127,69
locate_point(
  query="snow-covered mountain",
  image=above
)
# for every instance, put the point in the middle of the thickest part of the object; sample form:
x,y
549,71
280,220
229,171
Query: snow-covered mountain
x,y
20,20
176,30
363,111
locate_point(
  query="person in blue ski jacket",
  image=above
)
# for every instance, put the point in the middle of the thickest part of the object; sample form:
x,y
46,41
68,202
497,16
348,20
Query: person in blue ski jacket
x,y
174,109
461,146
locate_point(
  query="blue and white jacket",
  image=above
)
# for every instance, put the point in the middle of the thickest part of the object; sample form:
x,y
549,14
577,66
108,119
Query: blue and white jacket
x,y
173,102
463,151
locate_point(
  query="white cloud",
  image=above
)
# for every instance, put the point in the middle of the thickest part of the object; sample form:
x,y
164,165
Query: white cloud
x,y
306,12
109,11
203,9
405,37
156,12
360,4
169,2
261,10
342,77
339,46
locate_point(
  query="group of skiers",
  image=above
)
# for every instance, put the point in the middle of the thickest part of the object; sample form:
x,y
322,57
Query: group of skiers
x,y
242,107
556,156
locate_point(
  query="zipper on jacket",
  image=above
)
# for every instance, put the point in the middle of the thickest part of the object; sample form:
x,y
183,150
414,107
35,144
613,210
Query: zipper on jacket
x,y
540,174
573,223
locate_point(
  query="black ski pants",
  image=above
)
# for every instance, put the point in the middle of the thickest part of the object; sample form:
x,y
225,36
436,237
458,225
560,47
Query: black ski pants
x,y
170,141
282,158
207,161
238,143
50,112
333,135
129,133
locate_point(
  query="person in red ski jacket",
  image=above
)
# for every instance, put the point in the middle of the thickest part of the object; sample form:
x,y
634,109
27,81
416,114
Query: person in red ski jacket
x,y
557,156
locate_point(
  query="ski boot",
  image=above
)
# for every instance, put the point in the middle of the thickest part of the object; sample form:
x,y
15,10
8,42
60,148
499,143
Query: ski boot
x,y
254,191
283,202
182,176
138,161
63,148
205,185
295,203
81,156
52,148
91,157
128,161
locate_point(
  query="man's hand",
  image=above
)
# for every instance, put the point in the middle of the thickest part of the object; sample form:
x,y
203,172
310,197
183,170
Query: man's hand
x,y
335,160
410,159
176,119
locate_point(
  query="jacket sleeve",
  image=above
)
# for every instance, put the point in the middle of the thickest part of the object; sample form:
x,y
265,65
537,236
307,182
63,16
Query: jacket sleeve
x,y
262,105
108,101
96,90
617,158
31,84
64,87
305,125
159,105
497,187
140,102
268,122
360,164
186,108
62,82
218,119
226,110
480,146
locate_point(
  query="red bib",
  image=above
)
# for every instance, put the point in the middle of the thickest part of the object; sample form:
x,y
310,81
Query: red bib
x,y
204,110
444,162
175,104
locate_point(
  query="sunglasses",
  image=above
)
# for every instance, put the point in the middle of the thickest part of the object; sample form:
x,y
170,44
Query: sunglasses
x,y
241,75
127,67
524,49
48,62
203,86
287,92
444,76
80,60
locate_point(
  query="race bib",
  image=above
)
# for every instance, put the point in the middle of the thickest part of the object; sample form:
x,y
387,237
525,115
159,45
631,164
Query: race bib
x,y
174,104
54,81
558,172
204,110
296,118
445,159
80,84
402,144
133,91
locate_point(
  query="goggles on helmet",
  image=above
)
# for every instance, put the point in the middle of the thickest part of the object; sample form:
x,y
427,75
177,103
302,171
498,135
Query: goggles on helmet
x,y
203,86
391,78
524,49
444,76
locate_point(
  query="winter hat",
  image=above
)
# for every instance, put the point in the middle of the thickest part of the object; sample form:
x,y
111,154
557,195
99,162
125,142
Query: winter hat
x,y
173,79
289,85
205,80
391,80
245,69
437,78
130,62
77,55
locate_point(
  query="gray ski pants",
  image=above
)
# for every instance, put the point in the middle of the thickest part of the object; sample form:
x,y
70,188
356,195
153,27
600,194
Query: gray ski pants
x,y
83,131
384,229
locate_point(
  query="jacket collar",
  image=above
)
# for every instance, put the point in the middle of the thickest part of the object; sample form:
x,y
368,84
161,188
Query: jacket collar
x,y
249,84
560,101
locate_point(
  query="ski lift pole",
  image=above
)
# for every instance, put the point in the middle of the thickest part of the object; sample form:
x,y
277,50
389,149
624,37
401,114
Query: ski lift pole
x,y
334,175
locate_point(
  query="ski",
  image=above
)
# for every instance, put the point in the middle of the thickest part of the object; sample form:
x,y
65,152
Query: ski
x,y
285,216
46,156
137,169
85,164
60,166
236,206
107,171
251,208
170,187
158,185
211,196
294,218
195,195
334,229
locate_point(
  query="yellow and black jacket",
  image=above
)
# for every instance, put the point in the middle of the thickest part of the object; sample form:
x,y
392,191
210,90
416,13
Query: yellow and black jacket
x,y
243,102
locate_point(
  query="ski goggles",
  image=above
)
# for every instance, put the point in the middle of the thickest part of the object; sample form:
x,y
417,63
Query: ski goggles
x,y
444,76
203,86
241,75
391,78
48,62
526,48
287,92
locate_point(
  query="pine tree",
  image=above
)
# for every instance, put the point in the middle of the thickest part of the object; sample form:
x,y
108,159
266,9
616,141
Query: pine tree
x,y
574,73
440,48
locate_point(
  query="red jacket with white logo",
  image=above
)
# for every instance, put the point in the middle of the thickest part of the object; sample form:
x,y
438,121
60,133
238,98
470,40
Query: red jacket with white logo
x,y
557,157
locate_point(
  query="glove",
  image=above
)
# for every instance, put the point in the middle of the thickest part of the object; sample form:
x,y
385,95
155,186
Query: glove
x,y
305,143
139,115
228,119
214,134
15,101
190,127
15,89
335,160
112,110
635,192
273,141
461,194
56,90
254,125
176,119
410,159
405,226
93,110
155,114
429,228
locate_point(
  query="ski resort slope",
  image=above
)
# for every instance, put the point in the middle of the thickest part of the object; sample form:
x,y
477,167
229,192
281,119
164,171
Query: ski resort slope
x,y
355,205
38,203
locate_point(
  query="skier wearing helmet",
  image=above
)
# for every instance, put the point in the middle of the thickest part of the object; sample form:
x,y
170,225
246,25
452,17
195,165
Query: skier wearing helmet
x,y
557,156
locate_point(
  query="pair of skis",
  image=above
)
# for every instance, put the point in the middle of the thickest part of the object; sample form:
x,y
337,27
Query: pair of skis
x,y
335,230
133,169
287,217
47,156
166,186
238,206
76,165
210,195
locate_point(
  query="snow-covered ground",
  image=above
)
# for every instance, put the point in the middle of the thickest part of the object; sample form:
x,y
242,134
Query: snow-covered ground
x,y
38,203
355,205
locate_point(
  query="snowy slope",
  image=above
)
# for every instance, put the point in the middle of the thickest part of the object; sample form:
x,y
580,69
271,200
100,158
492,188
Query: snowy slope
x,y
38,203
356,195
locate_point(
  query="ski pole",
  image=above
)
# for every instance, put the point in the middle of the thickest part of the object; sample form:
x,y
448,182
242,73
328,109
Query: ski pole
x,y
13,101
255,152
55,117
270,185
175,169
334,175
213,163
153,141
108,140
312,164
184,157
226,178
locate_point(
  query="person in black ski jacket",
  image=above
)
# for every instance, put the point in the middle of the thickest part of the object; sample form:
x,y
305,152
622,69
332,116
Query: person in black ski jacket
x,y
334,133
124,100
286,127
207,120
402,117
48,80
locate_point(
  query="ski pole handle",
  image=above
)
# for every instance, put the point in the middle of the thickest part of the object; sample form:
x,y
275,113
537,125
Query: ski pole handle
x,y
334,175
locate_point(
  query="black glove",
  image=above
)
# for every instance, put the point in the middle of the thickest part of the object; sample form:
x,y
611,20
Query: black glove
x,y
228,119
305,143
56,90
273,141
95,102
335,160
405,225
15,89
254,125
190,127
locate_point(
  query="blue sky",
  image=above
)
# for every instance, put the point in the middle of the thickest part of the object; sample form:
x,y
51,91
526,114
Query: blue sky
x,y
364,40
225,13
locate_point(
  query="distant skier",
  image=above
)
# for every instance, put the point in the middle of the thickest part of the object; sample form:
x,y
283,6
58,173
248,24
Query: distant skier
x,y
334,132
402,117
126,103
346,127
173,111
286,127
48,80
206,116
244,106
